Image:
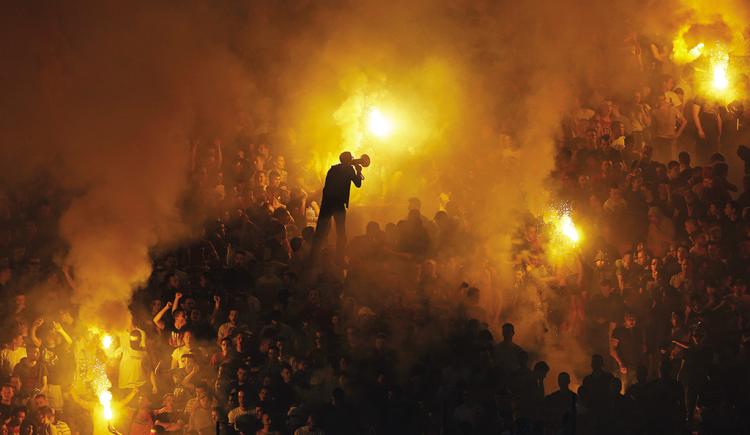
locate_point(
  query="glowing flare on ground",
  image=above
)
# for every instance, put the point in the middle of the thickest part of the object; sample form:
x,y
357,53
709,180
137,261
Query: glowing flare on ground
x,y
378,124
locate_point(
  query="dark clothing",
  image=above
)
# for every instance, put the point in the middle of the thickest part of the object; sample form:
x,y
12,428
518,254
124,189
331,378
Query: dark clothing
x,y
559,407
31,376
60,364
6,412
595,391
324,227
665,412
600,312
334,204
337,186
630,345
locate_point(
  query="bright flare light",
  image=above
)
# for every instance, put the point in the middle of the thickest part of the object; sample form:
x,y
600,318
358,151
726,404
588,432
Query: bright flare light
x,y
719,71
105,399
562,235
106,341
379,124
568,229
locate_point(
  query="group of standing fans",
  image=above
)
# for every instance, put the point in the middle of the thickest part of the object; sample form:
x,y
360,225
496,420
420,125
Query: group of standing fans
x,y
241,330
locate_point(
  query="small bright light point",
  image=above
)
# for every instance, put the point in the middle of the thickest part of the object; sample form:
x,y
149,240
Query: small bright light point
x,y
106,341
378,124
569,229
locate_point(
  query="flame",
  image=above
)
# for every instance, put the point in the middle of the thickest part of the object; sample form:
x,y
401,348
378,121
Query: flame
x,y
563,236
101,385
378,124
100,382
106,341
564,232
719,70
105,399
568,229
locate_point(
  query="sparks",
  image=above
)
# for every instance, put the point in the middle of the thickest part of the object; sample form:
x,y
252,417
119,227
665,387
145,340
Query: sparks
x,y
100,383
379,124
563,234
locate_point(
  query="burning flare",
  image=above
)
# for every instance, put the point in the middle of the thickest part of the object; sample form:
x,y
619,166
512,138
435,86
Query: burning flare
x,y
105,399
563,233
101,386
719,70
563,237
568,229
379,124
100,382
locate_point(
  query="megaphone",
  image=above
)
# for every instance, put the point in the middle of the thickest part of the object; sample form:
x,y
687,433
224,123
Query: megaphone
x,y
363,161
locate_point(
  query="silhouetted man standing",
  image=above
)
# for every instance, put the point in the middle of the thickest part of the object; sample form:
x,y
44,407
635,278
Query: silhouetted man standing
x,y
336,201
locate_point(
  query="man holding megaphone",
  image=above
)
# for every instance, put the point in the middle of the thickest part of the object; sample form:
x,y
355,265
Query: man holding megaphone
x,y
336,199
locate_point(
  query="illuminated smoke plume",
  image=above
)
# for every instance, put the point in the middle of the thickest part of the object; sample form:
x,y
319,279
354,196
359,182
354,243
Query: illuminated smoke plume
x,y
102,98
105,96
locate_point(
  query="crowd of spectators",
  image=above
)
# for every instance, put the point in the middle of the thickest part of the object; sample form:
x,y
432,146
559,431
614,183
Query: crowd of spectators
x,y
240,331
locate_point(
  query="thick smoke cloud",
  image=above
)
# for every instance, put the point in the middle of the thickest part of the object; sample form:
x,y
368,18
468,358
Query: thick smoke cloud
x,y
104,97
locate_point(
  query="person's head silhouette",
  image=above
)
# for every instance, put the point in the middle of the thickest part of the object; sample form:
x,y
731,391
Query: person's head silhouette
x,y
345,157
508,332
563,380
597,362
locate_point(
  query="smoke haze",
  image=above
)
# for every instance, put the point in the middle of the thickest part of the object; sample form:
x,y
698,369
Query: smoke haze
x,y
104,98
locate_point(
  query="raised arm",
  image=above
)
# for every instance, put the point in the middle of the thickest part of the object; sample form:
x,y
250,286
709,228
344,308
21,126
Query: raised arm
x,y
60,330
32,333
176,303
158,317
215,321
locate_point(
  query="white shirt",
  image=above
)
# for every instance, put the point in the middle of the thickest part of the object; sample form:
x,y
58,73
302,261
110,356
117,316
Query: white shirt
x,y
132,374
10,358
